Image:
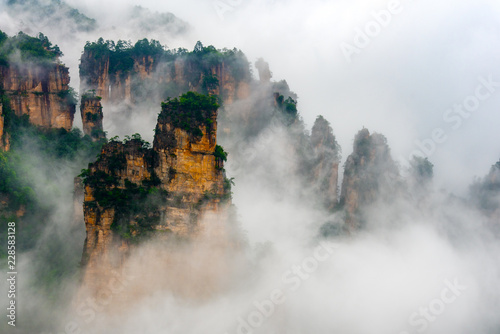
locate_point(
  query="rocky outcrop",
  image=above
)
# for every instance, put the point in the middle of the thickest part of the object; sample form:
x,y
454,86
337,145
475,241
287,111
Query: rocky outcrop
x,y
325,162
40,91
78,197
133,192
91,112
148,72
485,194
265,74
229,88
186,149
94,73
369,173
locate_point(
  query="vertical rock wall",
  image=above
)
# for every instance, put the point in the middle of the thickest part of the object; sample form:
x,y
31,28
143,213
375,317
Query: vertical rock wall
x,y
133,192
91,112
369,172
40,91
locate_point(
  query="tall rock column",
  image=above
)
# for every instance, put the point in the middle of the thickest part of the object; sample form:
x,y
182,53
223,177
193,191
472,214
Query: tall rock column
x,y
369,172
120,174
326,160
94,70
91,111
265,74
188,165
134,192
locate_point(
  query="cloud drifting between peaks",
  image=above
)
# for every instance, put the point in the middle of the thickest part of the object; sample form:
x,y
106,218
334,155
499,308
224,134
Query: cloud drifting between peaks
x,y
424,61
428,58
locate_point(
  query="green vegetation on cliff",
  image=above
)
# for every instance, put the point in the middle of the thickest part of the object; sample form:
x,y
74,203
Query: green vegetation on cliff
x,y
190,112
56,143
131,201
13,187
288,107
32,49
220,156
421,169
36,177
121,55
199,67
36,192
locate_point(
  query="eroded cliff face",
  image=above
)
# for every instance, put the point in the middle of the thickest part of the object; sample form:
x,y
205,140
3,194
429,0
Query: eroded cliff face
x,y
40,91
94,74
78,197
325,162
155,77
187,165
91,112
229,87
485,195
265,74
134,193
369,172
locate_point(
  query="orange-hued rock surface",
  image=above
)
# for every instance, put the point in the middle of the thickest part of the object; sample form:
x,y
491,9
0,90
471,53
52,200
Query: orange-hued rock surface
x,y
91,112
40,91
153,76
184,182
